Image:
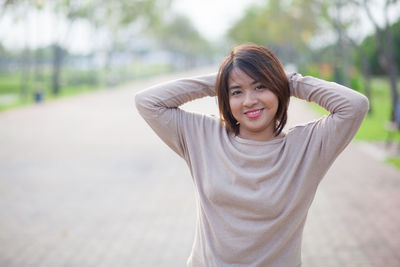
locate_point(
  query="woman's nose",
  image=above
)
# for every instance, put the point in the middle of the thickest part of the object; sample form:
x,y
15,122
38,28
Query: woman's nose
x,y
249,100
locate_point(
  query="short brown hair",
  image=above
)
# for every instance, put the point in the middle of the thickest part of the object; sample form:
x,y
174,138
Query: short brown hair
x,y
263,66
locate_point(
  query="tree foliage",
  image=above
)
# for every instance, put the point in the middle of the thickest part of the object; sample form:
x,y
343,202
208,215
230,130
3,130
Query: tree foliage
x,y
179,36
369,46
286,27
115,17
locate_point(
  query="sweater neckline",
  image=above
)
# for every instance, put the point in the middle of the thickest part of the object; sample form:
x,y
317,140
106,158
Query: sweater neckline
x,y
258,143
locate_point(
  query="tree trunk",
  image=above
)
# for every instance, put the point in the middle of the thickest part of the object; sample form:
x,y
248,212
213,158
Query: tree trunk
x,y
391,69
25,72
341,61
384,41
367,78
57,60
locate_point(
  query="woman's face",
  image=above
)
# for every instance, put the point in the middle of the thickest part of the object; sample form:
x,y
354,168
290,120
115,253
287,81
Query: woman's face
x,y
252,105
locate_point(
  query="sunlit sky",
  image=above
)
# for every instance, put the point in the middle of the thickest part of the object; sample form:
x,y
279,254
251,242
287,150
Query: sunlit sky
x,y
213,17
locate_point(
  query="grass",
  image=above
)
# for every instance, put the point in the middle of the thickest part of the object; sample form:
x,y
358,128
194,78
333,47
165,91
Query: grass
x,y
74,82
374,127
394,161
9,83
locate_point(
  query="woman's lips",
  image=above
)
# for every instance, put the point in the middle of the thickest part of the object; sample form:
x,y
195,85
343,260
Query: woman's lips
x,y
253,113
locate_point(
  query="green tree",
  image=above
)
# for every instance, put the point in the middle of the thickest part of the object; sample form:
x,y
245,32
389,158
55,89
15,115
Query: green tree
x,y
286,27
385,43
116,16
17,10
182,39
334,14
369,45
121,19
4,5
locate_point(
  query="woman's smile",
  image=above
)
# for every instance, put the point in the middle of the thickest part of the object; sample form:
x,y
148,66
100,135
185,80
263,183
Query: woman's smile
x,y
255,113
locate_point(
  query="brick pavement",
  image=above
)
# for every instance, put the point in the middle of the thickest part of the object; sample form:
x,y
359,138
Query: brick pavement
x,y
84,182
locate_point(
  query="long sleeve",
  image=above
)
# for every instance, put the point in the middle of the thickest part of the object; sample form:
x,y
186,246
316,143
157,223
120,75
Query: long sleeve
x,y
252,196
332,133
159,106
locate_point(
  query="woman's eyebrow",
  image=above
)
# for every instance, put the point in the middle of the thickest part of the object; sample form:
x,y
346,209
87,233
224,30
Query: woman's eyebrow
x,y
238,86
234,87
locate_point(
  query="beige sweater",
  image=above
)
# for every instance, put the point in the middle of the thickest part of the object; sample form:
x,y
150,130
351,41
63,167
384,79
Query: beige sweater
x,y
252,197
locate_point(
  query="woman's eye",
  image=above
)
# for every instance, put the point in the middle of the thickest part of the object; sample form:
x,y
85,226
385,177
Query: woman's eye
x,y
237,92
260,87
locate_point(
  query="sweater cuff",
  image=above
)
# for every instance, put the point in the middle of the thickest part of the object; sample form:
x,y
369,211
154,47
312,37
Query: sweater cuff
x,y
289,76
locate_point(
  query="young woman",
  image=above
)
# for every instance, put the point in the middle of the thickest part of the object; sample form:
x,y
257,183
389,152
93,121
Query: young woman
x,y
254,183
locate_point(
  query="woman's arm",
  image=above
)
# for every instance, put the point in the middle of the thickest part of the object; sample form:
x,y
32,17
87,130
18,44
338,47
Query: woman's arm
x,y
347,110
335,98
159,106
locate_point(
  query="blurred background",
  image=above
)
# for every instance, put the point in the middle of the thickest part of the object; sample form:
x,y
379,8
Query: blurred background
x,y
85,182
51,49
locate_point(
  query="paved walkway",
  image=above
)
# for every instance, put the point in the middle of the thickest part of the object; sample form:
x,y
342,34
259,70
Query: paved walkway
x,y
84,182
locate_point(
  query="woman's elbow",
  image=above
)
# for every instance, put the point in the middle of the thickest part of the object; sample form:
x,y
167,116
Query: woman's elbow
x,y
140,101
360,105
363,104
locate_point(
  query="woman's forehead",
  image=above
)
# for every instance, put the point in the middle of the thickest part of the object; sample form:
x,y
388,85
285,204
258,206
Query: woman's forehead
x,y
240,77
